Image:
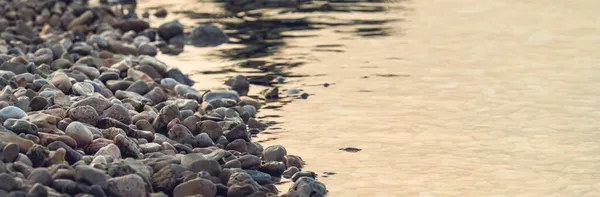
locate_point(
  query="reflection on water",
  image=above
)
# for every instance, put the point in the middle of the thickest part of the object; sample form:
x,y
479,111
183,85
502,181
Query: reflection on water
x,y
262,29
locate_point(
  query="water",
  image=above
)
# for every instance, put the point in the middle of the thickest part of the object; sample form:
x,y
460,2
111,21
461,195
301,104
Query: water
x,y
442,97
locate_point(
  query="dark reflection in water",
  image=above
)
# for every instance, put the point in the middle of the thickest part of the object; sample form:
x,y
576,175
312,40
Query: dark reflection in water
x,y
265,34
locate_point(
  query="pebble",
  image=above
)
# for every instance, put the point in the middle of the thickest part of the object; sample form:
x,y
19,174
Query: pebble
x,y
20,126
12,112
10,152
307,186
274,153
288,173
207,35
8,182
128,185
41,176
91,176
298,175
193,187
80,133
161,13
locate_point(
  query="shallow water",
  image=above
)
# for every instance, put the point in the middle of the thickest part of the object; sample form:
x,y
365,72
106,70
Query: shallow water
x,y
448,98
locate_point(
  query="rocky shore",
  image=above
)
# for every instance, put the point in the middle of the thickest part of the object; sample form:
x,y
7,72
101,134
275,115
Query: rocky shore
x,y
87,110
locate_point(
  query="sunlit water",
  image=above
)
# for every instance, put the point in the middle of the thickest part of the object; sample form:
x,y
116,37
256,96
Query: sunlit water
x,y
444,97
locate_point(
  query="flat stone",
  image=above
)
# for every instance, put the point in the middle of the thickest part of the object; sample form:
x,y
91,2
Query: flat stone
x,y
128,185
202,187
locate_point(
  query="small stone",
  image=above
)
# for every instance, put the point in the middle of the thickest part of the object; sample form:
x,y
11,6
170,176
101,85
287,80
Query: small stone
x,y
293,160
166,115
20,126
238,177
202,187
80,133
61,81
38,155
304,96
271,93
38,190
128,147
249,161
111,152
91,176
12,112
260,177
203,140
274,153
147,49
290,172
241,190
254,124
150,147
97,191
96,145
237,145
58,157
10,152
140,87
97,103
85,114
41,176
238,132
307,186
309,174
8,182
240,84
38,103
118,112
273,168
211,166
211,128
161,13
170,29
128,185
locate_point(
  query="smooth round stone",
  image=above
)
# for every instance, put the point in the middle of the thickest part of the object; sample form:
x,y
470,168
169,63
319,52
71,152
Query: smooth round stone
x,y
147,49
12,112
61,81
80,133
274,153
169,83
304,95
207,35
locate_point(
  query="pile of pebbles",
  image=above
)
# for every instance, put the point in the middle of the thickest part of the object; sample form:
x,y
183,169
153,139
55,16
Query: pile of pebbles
x,y
87,110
